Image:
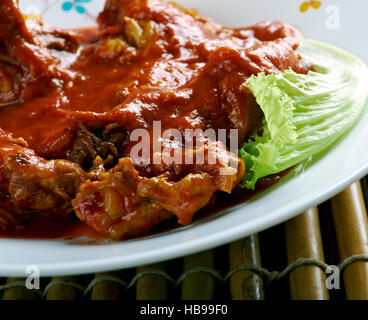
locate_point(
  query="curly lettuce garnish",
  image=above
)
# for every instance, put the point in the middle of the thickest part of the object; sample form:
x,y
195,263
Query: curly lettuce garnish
x,y
304,114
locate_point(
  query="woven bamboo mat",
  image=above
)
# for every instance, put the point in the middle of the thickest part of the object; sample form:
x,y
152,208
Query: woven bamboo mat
x,y
291,261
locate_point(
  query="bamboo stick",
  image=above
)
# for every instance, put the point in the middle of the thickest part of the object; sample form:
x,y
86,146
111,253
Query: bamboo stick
x,y
151,286
63,292
303,240
198,286
351,225
19,293
245,285
106,290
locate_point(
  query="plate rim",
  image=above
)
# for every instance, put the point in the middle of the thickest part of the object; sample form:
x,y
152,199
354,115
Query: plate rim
x,y
172,251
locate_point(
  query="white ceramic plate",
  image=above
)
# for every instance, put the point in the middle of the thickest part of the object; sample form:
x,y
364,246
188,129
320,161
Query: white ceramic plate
x,y
339,22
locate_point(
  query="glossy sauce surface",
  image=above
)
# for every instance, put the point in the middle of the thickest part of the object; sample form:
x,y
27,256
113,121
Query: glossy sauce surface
x,y
183,70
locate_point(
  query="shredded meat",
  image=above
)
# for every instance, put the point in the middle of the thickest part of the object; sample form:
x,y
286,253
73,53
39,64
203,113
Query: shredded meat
x,y
107,144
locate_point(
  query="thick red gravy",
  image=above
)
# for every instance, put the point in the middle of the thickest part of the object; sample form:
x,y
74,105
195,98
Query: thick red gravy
x,y
183,70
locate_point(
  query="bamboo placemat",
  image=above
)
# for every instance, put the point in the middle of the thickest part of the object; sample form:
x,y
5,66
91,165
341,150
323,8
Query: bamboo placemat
x,y
289,261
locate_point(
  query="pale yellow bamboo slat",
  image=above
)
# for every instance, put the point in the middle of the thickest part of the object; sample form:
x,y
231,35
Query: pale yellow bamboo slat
x,y
351,225
151,286
201,285
62,291
107,290
245,285
303,240
19,293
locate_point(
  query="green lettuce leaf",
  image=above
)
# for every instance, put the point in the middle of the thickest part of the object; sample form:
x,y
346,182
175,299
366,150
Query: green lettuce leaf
x,y
304,114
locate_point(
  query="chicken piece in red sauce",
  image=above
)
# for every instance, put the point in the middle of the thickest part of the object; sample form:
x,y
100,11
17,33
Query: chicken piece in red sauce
x,y
76,97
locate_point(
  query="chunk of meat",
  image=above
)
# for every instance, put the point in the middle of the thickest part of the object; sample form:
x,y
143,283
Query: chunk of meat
x,y
182,198
112,205
273,56
124,204
221,83
34,184
213,168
